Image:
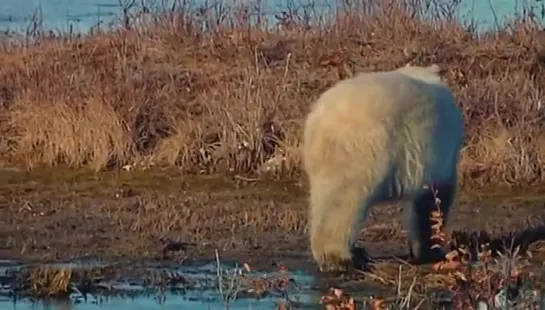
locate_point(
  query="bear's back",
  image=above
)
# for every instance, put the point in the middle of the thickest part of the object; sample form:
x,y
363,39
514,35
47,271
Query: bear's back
x,y
380,94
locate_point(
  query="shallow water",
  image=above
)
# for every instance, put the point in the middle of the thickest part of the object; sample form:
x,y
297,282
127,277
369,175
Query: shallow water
x,y
131,293
81,15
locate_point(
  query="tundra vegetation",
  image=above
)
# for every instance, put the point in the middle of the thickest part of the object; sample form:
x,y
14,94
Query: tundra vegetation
x,y
185,126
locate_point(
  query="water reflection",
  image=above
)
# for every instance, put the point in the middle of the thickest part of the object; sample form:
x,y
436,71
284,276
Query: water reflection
x,y
197,290
82,15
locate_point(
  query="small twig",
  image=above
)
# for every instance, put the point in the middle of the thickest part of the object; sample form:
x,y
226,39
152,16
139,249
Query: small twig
x,y
218,273
233,287
246,179
407,299
399,280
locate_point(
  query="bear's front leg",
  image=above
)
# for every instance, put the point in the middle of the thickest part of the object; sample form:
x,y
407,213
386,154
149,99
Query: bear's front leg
x,y
334,263
328,250
333,245
336,215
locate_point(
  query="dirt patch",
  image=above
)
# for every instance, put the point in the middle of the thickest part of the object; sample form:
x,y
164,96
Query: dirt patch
x,y
57,215
162,217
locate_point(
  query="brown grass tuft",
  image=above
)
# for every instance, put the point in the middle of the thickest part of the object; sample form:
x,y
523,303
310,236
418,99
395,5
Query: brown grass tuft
x,y
49,282
232,99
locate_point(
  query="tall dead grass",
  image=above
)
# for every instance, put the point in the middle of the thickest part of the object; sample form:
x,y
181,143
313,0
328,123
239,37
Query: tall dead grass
x,y
163,91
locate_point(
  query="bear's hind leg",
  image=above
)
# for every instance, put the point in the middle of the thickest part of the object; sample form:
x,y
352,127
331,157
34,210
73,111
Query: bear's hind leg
x,y
420,231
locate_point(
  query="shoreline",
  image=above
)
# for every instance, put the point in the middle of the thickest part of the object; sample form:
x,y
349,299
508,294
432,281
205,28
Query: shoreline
x,y
111,15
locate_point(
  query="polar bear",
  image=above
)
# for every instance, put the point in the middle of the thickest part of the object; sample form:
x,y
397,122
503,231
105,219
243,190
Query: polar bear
x,y
376,138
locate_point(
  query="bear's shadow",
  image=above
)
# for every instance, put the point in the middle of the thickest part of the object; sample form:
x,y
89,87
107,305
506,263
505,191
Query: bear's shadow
x,y
471,241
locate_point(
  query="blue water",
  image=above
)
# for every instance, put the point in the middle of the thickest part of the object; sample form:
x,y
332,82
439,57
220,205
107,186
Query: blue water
x,y
133,293
81,15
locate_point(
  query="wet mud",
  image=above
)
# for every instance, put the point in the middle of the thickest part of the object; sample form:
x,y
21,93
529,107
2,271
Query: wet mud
x,y
150,239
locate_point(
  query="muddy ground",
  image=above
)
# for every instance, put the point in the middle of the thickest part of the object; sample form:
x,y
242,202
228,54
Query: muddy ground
x,y
141,216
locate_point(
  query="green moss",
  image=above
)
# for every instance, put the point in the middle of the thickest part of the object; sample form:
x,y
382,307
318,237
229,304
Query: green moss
x,y
66,180
62,180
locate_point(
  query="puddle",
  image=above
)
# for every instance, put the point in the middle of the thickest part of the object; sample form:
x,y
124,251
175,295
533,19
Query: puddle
x,y
183,287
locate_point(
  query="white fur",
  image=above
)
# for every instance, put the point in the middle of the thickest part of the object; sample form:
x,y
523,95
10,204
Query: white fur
x,y
371,139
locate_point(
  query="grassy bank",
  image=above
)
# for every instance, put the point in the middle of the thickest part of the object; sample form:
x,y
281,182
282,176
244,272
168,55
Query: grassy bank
x,y
165,93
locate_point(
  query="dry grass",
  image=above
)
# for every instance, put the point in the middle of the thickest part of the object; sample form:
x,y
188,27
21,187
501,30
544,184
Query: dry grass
x,y
47,282
232,99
